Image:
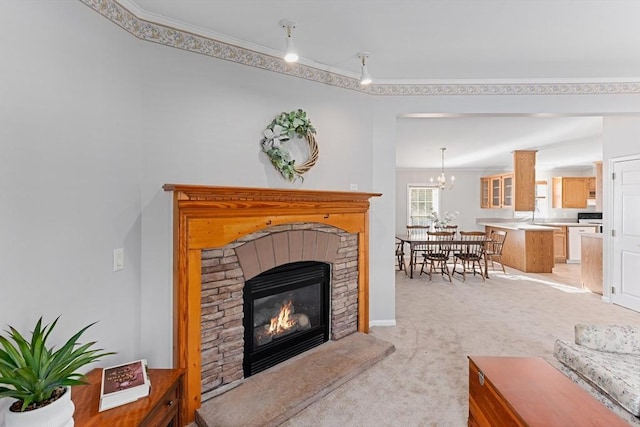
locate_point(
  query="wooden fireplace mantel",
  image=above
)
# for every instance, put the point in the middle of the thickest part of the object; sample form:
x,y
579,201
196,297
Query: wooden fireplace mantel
x,y
206,217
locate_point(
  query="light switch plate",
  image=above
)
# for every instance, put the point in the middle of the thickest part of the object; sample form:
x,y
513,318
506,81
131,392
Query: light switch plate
x,y
118,259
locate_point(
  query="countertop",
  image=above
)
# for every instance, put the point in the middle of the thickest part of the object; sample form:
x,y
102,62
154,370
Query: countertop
x,y
519,226
565,224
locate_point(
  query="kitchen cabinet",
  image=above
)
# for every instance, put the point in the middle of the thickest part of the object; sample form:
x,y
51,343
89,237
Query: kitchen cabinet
x,y
507,191
524,180
570,192
598,166
560,245
511,190
485,198
591,266
496,191
592,187
528,247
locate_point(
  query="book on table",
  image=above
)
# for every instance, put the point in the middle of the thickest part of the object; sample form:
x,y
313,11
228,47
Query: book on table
x,y
123,384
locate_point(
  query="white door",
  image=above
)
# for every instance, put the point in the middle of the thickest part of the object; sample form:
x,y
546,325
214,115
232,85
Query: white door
x,y
626,233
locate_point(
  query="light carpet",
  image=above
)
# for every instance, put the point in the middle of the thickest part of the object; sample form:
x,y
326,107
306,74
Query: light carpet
x,y
425,381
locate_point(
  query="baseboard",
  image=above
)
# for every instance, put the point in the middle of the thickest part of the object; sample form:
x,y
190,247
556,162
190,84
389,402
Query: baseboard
x,y
391,322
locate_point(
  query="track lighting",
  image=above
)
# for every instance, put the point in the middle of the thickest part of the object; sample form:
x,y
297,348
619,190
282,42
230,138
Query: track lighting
x,y
290,54
365,77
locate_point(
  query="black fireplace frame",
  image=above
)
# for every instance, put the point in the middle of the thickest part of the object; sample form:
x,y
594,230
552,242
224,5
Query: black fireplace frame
x,y
285,278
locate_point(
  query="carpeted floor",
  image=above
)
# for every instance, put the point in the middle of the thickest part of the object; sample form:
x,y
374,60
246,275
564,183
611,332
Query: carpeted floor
x,y
424,382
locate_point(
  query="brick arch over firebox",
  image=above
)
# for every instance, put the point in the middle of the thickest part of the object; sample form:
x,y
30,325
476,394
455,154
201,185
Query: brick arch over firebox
x,y
273,250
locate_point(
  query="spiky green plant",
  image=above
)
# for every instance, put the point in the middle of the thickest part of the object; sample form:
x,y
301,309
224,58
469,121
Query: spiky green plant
x,y
33,371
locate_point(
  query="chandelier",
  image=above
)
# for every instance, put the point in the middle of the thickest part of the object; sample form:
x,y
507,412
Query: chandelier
x,y
441,180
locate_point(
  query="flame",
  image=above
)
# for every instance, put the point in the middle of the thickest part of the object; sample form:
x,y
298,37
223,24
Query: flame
x,y
282,322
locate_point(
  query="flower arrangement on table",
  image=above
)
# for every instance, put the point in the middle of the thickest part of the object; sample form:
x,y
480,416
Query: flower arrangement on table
x,y
284,127
441,222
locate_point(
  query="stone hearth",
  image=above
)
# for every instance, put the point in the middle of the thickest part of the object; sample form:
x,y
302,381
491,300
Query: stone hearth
x,y
277,394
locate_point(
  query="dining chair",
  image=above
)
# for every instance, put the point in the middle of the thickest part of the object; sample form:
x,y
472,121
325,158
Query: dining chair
x,y
400,256
417,232
493,250
437,256
470,253
453,228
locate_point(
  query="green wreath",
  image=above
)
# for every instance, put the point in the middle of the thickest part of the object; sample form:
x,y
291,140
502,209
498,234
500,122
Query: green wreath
x,y
284,127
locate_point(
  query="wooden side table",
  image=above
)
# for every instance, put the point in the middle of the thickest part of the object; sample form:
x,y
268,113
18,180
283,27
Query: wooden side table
x,y
527,391
160,408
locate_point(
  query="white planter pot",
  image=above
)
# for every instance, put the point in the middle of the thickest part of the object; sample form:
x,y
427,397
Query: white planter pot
x,y
58,414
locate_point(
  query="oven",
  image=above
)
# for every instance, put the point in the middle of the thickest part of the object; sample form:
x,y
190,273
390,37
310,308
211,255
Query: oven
x,y
591,218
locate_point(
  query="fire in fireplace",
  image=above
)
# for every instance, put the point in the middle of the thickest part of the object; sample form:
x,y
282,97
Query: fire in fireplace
x,y
286,312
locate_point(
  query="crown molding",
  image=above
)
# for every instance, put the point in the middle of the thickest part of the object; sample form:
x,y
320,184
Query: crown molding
x,y
171,33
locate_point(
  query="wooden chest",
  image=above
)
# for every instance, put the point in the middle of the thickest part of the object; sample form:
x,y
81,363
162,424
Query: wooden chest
x,y
527,391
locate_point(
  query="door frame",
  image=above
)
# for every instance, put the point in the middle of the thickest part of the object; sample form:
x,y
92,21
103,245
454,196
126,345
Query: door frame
x,y
609,211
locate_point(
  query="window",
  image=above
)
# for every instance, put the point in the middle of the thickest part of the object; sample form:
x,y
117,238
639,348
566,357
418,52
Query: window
x,y
422,200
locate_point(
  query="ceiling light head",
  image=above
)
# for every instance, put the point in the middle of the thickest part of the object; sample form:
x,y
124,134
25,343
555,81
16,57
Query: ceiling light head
x,y
290,54
365,77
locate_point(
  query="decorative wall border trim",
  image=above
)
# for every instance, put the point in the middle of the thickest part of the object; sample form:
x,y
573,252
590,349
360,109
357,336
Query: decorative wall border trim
x,y
185,40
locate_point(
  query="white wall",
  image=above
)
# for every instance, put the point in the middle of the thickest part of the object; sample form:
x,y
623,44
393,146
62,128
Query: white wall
x,y
70,159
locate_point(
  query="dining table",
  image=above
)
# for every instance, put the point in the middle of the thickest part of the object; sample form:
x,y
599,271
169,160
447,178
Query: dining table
x,y
419,244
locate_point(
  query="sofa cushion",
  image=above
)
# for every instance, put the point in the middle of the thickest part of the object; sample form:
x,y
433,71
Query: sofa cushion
x,y
616,374
613,338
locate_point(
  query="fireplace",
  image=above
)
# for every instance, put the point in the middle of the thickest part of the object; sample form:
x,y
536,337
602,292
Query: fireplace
x,y
286,312
225,236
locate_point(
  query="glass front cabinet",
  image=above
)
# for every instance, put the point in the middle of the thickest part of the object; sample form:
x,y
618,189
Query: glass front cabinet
x,y
496,191
485,199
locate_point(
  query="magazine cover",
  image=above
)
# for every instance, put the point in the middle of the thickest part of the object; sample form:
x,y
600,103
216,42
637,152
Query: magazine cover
x,y
125,383
124,377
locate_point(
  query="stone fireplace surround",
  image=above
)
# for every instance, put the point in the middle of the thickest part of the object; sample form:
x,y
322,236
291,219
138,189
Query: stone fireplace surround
x,y
226,269
206,219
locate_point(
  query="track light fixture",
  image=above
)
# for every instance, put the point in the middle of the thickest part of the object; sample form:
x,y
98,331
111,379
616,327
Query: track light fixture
x,y
290,54
365,77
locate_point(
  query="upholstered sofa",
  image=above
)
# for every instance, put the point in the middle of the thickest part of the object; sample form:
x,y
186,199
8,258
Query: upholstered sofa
x,y
607,358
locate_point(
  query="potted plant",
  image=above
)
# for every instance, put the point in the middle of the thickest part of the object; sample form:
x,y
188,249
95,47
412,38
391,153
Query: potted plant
x,y
39,377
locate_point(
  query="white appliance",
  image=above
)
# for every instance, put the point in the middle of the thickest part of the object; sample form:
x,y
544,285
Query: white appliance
x,y
592,218
575,241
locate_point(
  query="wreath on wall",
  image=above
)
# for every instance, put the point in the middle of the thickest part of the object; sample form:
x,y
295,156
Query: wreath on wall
x,y
284,127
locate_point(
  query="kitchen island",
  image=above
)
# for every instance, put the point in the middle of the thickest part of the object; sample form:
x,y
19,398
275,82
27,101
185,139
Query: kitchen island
x,y
528,247
591,268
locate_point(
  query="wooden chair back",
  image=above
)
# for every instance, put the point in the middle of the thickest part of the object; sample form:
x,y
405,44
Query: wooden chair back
x,y
497,238
453,228
474,251
417,231
442,236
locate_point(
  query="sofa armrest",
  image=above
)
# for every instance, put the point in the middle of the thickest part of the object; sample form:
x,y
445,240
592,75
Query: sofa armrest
x,y
611,338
